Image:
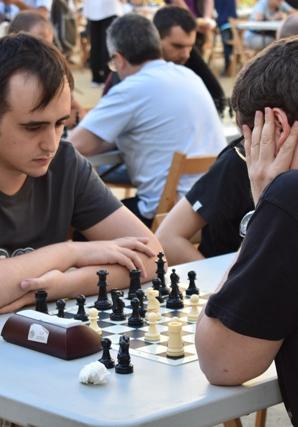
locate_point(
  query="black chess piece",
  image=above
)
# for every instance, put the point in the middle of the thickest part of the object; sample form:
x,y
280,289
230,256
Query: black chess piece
x,y
118,306
192,289
41,301
106,358
135,283
175,300
135,320
81,314
60,304
123,366
141,296
102,302
156,284
160,272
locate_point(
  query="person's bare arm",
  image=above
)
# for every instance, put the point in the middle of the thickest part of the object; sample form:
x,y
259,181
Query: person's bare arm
x,y
208,8
87,143
229,358
116,253
263,160
176,231
23,6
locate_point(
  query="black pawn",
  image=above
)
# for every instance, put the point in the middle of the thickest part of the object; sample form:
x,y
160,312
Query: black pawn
x,y
102,302
118,306
156,284
160,272
123,366
135,320
141,296
174,301
60,304
135,283
106,358
192,289
81,314
41,301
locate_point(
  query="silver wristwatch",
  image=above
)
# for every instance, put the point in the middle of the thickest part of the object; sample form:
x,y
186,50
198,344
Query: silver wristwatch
x,y
244,223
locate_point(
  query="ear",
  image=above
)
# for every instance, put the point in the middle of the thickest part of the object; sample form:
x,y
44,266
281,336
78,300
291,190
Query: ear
x,y
282,127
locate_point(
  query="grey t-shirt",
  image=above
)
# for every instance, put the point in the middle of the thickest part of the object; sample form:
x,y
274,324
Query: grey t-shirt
x,y
70,194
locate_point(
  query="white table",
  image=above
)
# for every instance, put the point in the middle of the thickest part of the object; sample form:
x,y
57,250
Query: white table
x,y
112,157
259,25
44,391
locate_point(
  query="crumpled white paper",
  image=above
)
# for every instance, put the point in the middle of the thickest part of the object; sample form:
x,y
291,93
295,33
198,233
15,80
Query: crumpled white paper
x,y
94,373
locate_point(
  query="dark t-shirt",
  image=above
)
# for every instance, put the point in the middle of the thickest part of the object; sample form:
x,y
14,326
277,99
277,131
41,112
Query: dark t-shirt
x,y
225,9
222,197
41,213
260,296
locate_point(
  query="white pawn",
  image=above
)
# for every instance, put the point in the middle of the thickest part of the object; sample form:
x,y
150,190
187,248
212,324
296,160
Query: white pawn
x,y
153,303
152,334
93,318
194,311
175,343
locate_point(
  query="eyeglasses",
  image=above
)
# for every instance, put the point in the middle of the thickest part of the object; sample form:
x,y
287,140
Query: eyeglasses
x,y
111,63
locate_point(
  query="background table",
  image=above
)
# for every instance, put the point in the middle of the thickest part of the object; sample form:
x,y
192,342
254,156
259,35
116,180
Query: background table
x,y
259,25
41,390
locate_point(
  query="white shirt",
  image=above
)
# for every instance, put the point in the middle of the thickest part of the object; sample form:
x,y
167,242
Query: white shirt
x,y
95,10
12,10
161,109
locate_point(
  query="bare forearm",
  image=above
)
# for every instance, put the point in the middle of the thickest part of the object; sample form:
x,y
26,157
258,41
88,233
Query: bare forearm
x,y
60,256
179,250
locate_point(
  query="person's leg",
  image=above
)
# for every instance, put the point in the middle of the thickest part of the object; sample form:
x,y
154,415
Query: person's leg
x,y
116,173
226,36
132,205
95,31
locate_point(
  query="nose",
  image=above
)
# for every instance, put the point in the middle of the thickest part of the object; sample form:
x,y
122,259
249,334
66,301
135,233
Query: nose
x,y
50,139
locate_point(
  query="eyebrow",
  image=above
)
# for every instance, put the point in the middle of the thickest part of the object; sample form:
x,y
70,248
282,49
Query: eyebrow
x,y
36,122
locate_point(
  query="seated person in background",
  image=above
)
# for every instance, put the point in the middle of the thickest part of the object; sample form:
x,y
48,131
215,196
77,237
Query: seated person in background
x,y
46,187
289,27
39,26
265,10
11,7
215,206
158,108
177,30
252,319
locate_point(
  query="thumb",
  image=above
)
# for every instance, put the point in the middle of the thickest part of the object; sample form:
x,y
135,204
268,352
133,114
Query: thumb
x,y
31,284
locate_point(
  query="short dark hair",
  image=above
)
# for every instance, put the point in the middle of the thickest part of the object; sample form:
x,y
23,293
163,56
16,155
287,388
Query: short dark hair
x,y
135,37
23,53
172,16
25,21
269,80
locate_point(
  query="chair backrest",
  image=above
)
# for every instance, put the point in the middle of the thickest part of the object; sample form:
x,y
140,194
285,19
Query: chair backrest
x,y
181,165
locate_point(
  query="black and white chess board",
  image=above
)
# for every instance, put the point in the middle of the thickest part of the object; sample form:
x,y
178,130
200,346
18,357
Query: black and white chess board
x,y
138,346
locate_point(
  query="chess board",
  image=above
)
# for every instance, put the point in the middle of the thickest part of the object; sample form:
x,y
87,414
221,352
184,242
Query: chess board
x,y
138,346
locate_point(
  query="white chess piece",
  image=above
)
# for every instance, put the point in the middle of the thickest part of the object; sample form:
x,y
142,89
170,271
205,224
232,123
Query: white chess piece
x,y
152,334
175,343
153,303
93,318
194,311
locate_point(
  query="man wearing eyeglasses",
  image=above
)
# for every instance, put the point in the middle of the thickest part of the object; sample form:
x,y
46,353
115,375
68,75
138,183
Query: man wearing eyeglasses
x,y
157,109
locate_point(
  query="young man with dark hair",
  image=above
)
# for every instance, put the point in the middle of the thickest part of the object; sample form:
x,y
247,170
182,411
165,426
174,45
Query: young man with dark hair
x,y
177,31
46,187
158,108
252,319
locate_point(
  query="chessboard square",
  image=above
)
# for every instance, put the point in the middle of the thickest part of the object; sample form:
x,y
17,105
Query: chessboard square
x,y
135,333
163,339
138,344
190,349
105,324
174,313
154,349
118,329
191,327
189,338
103,315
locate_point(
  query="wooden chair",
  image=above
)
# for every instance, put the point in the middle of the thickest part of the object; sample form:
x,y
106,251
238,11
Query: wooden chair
x,y
181,165
240,54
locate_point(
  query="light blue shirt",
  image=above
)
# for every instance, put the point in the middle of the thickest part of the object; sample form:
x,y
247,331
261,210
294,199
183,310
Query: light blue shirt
x,y
14,10
161,109
262,7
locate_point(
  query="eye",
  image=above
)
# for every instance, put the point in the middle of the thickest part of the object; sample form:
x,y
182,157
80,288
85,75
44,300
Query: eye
x,y
33,128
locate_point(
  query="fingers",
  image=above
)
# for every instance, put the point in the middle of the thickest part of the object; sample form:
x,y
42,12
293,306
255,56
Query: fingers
x,y
138,244
288,153
131,260
267,143
256,136
247,142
